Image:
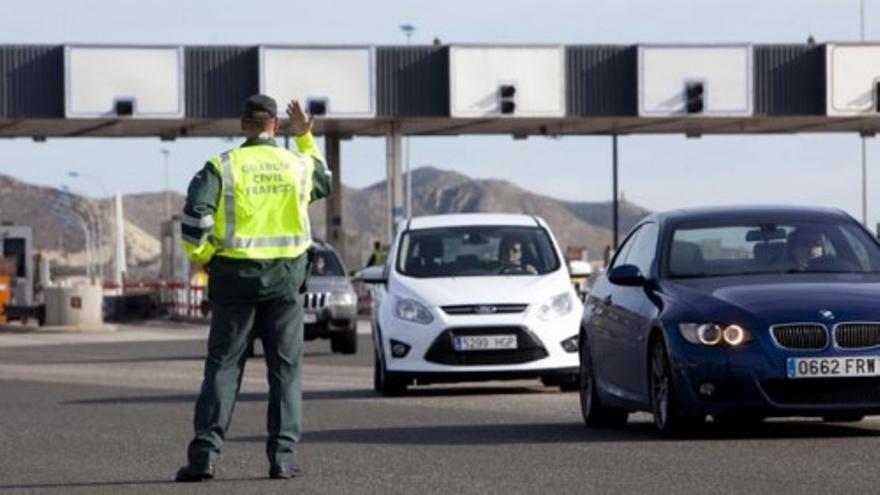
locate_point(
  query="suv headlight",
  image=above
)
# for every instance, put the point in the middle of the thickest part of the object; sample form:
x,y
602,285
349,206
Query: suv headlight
x,y
341,299
555,307
410,310
711,334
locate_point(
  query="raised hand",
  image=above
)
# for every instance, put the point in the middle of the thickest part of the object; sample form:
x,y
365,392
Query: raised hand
x,y
300,123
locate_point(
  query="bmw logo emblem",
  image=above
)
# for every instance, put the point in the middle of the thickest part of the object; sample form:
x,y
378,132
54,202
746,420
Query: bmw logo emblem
x,y
828,315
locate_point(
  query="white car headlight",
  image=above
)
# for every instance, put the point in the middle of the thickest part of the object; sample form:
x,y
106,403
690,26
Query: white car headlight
x,y
410,310
711,334
555,307
341,299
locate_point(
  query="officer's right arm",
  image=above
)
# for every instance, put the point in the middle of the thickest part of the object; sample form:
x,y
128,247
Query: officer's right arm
x,y
197,223
322,178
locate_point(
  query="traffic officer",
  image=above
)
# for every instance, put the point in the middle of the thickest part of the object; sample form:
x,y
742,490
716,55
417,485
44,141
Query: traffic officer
x,y
246,221
377,257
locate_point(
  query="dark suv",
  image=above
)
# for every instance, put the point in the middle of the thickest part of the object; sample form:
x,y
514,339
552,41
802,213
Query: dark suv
x,y
330,301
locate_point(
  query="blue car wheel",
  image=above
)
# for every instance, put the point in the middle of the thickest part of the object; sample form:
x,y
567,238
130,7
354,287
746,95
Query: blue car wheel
x,y
668,418
595,414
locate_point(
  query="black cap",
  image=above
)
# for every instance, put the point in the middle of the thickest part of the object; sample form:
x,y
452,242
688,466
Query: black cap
x,y
259,103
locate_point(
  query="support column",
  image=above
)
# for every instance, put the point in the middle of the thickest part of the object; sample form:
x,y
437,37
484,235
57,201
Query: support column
x,y
393,159
119,265
614,204
335,234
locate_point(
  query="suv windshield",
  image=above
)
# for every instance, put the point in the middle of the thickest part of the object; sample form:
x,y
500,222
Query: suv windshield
x,y
326,264
771,247
476,251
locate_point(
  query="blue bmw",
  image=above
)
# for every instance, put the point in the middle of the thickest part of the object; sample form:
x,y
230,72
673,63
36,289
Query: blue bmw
x,y
737,313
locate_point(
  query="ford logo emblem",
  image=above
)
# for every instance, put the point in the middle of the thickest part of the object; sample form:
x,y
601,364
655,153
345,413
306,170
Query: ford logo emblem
x,y
828,315
485,310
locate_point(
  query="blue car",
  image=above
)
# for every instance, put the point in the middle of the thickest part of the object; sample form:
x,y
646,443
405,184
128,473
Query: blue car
x,y
737,313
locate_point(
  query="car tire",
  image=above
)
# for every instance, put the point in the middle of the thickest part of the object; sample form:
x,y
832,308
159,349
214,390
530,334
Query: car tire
x,y
843,418
570,384
565,383
346,341
595,414
668,418
384,383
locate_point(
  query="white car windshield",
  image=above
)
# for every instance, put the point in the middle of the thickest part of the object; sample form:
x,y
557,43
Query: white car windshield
x,y
476,251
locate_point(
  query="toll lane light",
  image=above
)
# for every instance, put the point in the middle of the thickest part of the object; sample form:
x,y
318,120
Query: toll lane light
x,y
507,98
124,107
877,96
317,106
694,92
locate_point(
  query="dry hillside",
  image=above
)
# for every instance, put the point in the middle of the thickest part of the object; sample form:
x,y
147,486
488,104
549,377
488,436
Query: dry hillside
x,y
47,210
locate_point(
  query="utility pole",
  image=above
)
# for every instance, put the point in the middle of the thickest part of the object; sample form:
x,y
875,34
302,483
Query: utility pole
x,y
863,136
97,211
408,30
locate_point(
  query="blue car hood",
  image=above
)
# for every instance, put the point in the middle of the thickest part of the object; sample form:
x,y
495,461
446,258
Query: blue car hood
x,y
770,299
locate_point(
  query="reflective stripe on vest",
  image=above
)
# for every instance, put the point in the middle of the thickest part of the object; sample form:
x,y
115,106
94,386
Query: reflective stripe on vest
x,y
231,241
200,223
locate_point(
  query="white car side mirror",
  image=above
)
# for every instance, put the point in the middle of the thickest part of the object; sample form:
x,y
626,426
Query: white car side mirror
x,y
579,268
374,275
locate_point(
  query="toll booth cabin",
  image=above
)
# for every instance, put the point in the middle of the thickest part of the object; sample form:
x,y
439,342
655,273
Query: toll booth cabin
x,y
16,246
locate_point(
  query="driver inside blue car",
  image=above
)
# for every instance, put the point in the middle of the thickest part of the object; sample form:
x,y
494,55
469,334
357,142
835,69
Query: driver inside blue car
x,y
804,246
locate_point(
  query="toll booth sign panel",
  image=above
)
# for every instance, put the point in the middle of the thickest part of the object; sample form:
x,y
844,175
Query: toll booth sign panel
x,y
507,81
331,82
853,79
124,82
699,80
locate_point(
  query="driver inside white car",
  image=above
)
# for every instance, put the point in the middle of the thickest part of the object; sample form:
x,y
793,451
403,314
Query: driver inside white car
x,y
512,257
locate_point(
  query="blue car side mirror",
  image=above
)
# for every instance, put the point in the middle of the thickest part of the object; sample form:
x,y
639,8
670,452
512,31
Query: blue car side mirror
x,y
628,275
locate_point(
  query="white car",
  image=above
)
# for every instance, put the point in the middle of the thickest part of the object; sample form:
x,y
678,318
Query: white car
x,y
474,297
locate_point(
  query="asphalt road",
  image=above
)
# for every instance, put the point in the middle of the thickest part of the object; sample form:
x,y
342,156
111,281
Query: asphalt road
x,y
113,414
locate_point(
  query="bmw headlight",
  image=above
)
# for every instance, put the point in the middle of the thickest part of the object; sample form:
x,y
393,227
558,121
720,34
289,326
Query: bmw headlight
x,y
341,299
712,334
410,310
555,307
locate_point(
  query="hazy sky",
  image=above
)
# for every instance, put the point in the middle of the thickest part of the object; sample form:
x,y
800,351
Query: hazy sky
x,y
659,172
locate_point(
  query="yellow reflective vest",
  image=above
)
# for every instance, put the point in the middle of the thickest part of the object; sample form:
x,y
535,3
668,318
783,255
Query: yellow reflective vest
x,y
262,208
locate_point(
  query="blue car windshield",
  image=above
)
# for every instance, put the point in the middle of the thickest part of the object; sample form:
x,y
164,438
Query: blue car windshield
x,y
771,247
477,251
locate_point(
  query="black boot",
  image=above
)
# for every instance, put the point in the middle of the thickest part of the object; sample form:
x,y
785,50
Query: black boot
x,y
285,471
195,472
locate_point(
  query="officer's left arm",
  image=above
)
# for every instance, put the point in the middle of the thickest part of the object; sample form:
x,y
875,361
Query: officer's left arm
x,y
322,178
197,221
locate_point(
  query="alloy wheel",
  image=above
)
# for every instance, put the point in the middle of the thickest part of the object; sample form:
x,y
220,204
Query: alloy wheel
x,y
660,386
585,380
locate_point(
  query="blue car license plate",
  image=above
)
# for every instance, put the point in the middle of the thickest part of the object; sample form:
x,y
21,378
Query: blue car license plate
x,y
485,342
832,367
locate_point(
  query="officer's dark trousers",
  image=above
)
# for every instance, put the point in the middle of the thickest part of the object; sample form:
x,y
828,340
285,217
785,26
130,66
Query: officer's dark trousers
x,y
279,324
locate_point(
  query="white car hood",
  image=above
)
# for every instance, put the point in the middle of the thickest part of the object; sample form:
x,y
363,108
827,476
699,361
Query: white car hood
x,y
511,289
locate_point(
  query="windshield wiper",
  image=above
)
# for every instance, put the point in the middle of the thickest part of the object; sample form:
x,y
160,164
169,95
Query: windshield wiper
x,y
694,275
794,270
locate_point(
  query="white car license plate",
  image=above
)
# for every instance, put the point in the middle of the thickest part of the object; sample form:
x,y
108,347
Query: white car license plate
x,y
485,342
831,367
310,318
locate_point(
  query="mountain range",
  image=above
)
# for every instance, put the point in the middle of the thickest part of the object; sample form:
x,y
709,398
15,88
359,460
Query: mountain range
x,y
575,224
